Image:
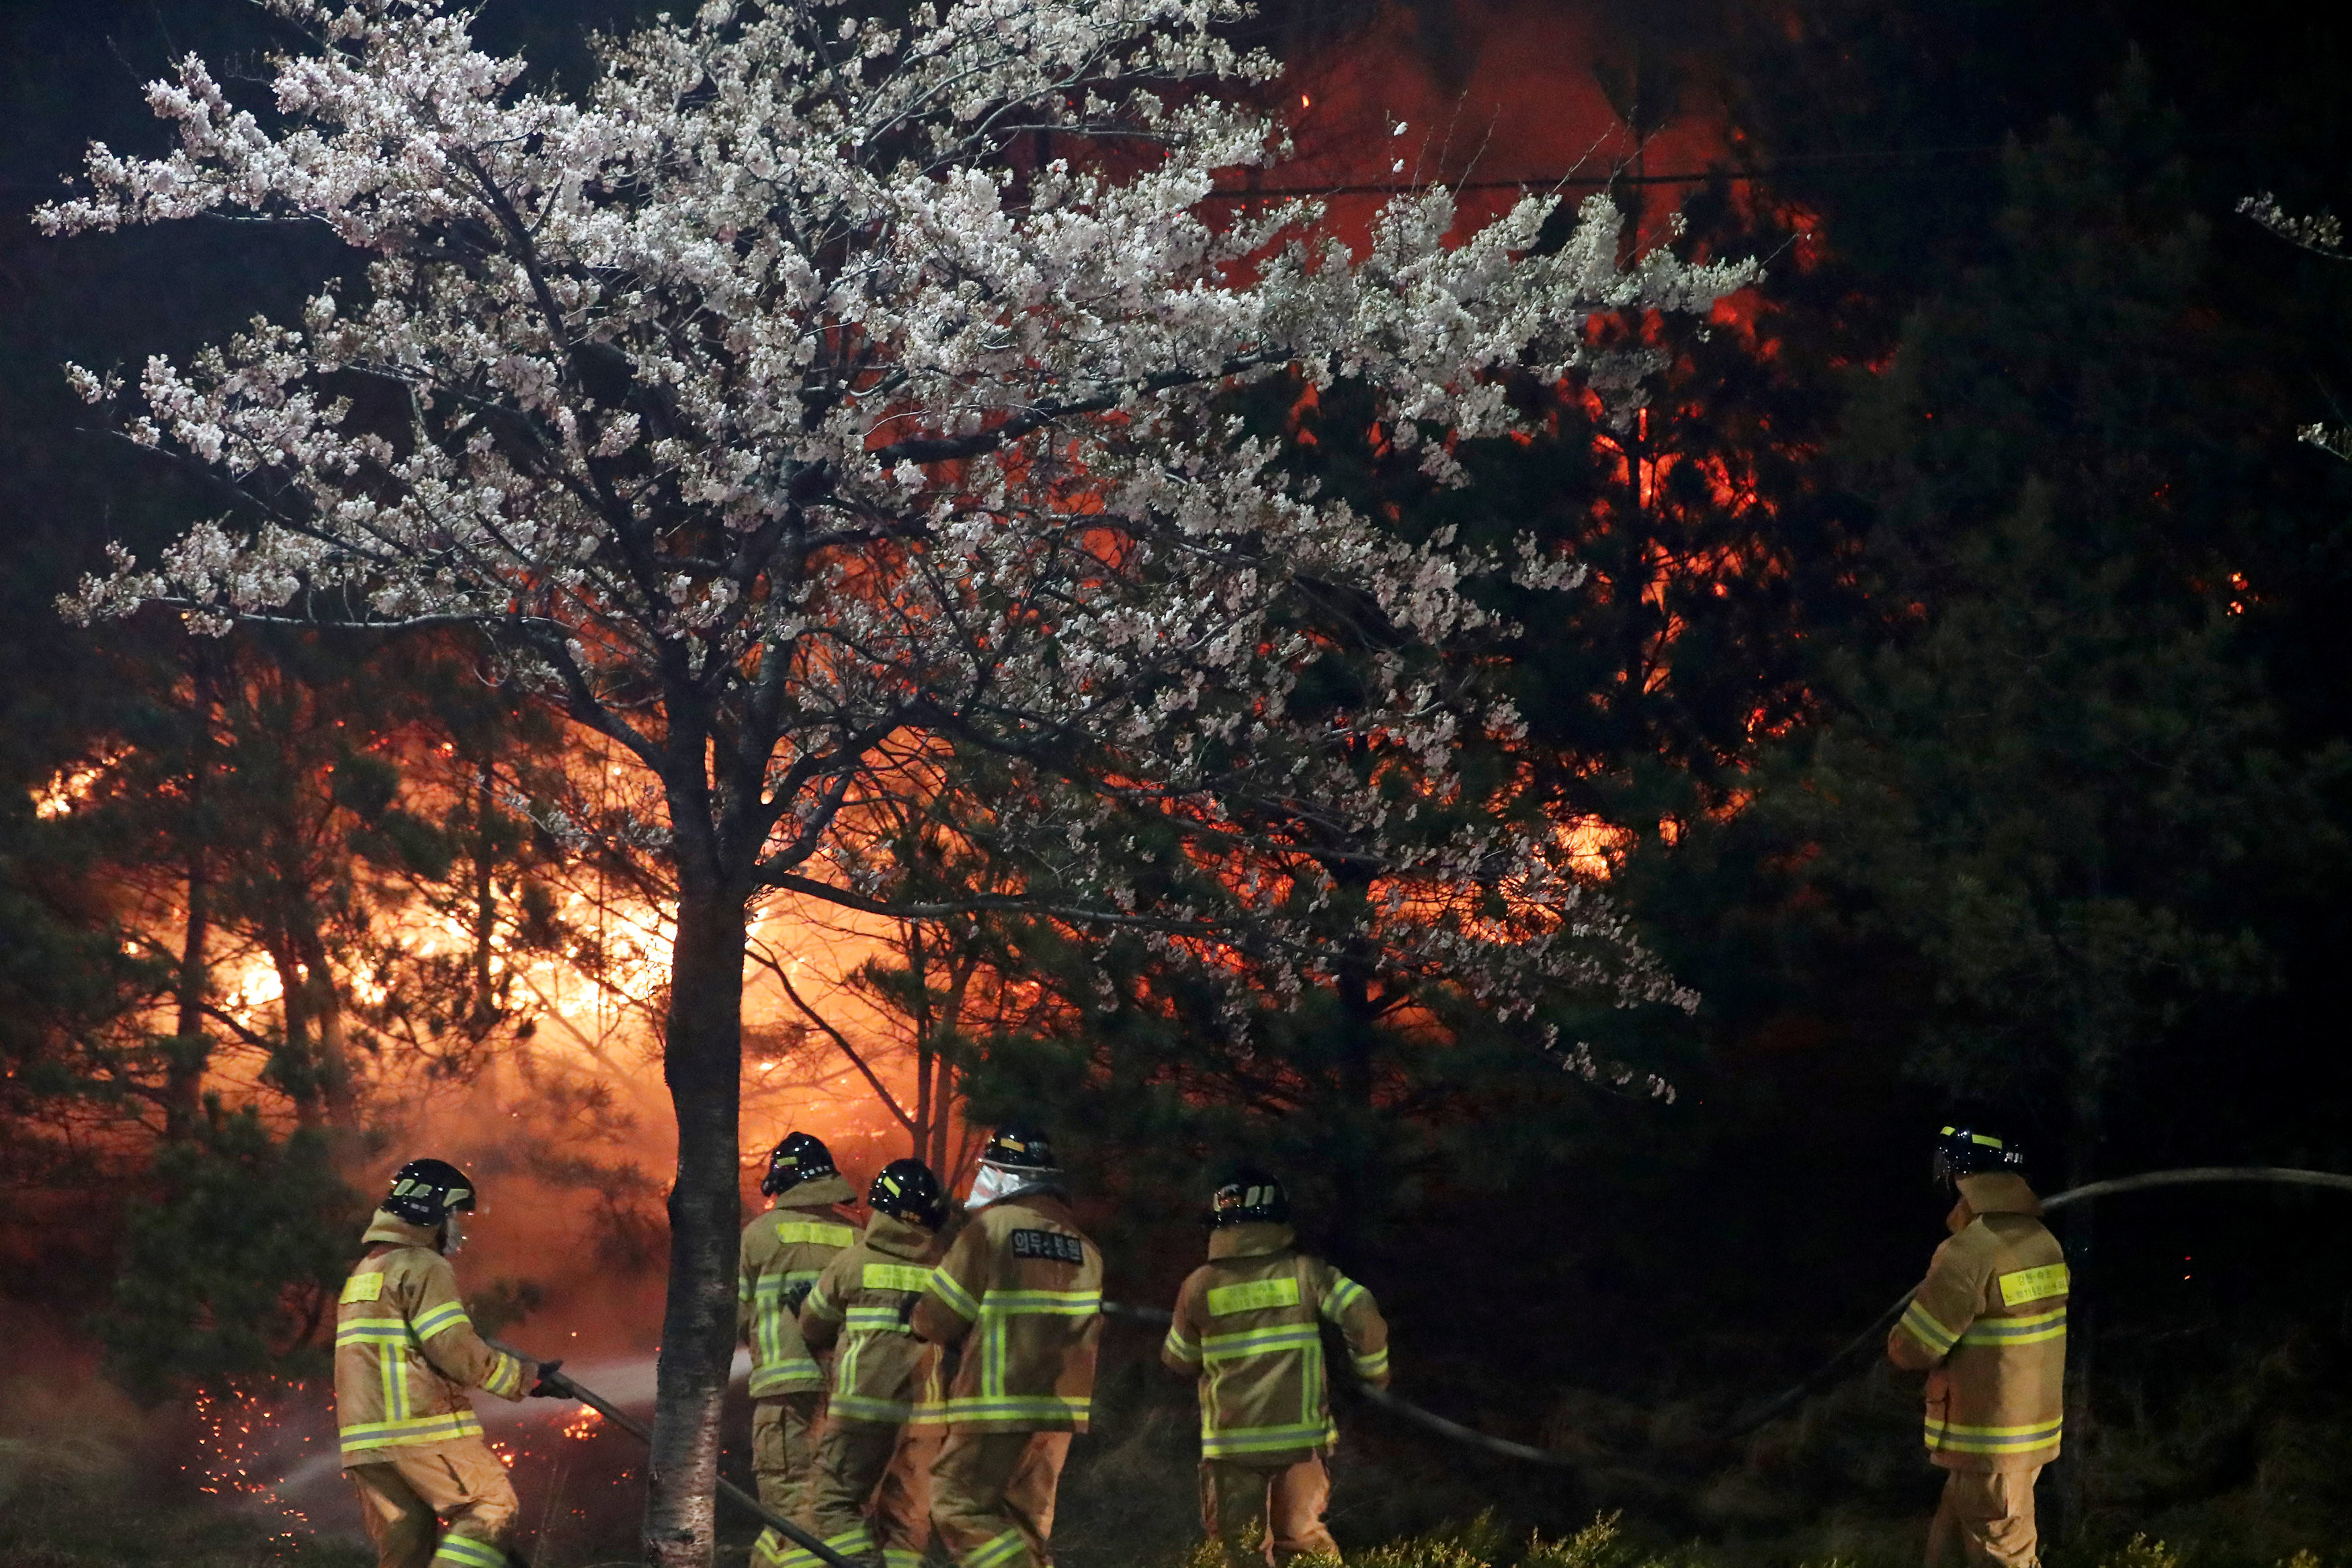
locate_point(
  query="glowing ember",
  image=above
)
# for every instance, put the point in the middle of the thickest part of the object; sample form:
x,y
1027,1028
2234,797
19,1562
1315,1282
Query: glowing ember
x,y
242,1429
582,1425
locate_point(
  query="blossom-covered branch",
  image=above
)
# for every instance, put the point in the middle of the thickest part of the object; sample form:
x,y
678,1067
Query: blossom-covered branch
x,y
816,386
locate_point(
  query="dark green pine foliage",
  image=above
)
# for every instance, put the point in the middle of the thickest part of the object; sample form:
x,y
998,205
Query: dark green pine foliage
x,y
2057,769
234,1266
271,800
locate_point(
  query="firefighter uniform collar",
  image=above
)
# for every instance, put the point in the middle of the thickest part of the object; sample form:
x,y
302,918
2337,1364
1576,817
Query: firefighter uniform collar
x,y
821,1193
1254,1239
1046,1202
385,1226
1994,1192
889,1233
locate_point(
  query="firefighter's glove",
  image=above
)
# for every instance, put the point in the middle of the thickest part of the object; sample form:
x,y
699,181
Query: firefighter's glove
x,y
549,1386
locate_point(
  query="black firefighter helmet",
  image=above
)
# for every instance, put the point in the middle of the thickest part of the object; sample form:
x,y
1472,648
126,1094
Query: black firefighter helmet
x,y
423,1192
1019,1148
1966,1149
798,1158
909,1190
1248,1197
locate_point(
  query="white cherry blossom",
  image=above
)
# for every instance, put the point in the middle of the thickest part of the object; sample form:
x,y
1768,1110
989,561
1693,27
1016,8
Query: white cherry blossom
x,y
813,394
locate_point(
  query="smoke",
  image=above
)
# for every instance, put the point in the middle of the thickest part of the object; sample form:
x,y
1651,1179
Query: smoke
x,y
1507,91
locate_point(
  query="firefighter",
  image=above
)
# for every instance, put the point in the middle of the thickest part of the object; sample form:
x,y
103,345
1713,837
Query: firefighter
x,y
1020,1290
405,1353
882,1419
1988,1327
1248,1327
784,1251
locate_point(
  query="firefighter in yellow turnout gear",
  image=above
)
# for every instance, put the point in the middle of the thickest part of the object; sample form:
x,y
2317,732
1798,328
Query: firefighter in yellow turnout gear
x,y
1248,1326
783,1253
405,1353
1988,1327
870,1496
1019,1292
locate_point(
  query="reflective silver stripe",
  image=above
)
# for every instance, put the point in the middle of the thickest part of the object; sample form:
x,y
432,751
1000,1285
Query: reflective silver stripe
x,y
413,1429
1005,1548
1345,1293
1008,1406
2029,1330
465,1549
959,1299
1259,1342
1922,1325
1267,1440
441,1319
1952,1437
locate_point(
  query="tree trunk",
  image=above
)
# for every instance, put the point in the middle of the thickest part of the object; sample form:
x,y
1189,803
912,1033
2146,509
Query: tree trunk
x,y
484,1011
183,1078
326,1009
1357,1180
703,1064
922,1129
942,1094
297,1068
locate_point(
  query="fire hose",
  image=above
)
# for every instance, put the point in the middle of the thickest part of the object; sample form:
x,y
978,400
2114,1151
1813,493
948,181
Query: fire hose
x,y
1829,1370
2198,1175
1455,1432
569,1388
1386,1401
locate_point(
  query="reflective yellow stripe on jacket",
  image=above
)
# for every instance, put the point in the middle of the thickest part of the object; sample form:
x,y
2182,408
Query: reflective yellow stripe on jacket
x,y
2033,1330
1019,1290
465,1552
1250,1323
783,1362
773,1553
859,1324
1951,1436
863,1305
783,1255
992,1323
1921,1324
1988,1326
405,1350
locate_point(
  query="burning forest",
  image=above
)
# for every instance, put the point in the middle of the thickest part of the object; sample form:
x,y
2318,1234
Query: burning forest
x,y
786,781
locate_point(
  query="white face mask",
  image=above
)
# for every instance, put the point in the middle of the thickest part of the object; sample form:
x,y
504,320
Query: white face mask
x,y
452,1237
992,1183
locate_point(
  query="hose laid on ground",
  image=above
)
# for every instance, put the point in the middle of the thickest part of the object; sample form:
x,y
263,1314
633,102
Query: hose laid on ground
x,y
1387,1401
1454,1431
1828,1371
565,1387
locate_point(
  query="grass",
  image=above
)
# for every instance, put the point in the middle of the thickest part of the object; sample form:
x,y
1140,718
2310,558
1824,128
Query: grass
x,y
69,1505
58,1512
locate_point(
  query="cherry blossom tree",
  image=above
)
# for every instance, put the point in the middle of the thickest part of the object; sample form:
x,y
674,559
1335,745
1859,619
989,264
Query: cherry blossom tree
x,y
816,394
